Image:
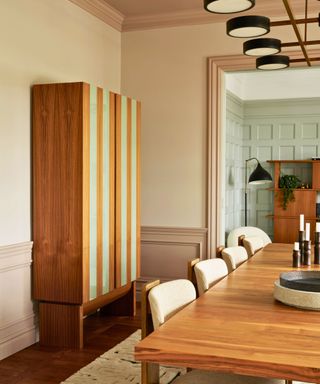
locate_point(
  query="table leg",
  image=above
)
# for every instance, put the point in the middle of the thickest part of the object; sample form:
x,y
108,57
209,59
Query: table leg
x,y
149,373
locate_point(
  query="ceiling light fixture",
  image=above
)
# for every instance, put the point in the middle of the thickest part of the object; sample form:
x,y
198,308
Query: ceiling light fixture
x,y
228,6
248,26
262,47
272,62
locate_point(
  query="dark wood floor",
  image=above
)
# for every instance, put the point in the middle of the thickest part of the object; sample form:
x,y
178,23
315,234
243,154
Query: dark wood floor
x,y
35,365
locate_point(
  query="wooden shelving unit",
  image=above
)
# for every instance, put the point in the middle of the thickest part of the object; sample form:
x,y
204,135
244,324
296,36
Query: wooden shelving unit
x,y
286,222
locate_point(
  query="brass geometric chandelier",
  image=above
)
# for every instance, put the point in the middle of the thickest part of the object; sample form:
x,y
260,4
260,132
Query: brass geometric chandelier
x,y
265,49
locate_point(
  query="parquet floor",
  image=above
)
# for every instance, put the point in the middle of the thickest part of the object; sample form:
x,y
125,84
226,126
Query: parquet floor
x,y
43,365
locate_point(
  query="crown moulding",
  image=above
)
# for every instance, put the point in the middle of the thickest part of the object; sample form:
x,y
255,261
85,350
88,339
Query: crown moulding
x,y
102,11
111,16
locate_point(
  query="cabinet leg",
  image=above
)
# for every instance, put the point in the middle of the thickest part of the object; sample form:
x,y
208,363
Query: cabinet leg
x,y
61,325
124,306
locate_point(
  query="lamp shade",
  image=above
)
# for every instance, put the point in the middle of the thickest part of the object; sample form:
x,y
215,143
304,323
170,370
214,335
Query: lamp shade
x,y
272,62
259,176
228,6
248,26
261,47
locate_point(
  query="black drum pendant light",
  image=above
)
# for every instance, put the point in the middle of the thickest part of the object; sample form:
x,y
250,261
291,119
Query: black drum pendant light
x,y
248,26
262,47
228,6
272,62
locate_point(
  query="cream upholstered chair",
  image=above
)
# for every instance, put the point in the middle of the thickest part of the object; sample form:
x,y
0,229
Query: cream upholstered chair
x,y
233,236
234,256
163,301
208,273
252,244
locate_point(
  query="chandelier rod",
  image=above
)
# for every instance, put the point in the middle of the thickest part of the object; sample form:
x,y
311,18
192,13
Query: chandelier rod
x,y
296,30
281,23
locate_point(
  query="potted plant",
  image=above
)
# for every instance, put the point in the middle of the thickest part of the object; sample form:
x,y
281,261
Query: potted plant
x,y
288,183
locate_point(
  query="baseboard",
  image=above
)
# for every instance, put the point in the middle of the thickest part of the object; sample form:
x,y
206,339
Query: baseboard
x,y
18,318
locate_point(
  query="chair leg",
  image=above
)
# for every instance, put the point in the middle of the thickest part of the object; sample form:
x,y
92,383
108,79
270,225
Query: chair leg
x,y
288,381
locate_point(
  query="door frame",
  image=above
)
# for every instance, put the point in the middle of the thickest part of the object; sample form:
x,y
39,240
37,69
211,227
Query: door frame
x,y
217,66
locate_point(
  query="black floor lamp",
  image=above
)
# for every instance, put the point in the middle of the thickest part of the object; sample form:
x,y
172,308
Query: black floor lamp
x,y
258,176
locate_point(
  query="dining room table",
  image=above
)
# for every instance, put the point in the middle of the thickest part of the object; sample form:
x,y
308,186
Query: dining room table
x,y
238,326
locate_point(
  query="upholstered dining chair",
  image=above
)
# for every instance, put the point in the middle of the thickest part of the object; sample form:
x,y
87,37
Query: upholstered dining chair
x,y
158,303
232,239
233,256
252,244
206,273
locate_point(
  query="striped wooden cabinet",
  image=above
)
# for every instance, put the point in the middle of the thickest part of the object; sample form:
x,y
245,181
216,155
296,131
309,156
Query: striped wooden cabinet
x,y
86,221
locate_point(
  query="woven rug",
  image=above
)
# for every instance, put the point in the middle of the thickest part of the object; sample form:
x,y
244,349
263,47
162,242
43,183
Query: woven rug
x,y
117,366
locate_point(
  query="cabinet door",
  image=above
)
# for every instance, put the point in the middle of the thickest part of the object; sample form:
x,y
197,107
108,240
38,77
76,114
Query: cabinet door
x,y
57,192
98,193
127,190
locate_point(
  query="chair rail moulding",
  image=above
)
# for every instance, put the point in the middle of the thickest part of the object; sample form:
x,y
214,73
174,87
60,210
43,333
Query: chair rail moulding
x,y
18,319
217,65
160,245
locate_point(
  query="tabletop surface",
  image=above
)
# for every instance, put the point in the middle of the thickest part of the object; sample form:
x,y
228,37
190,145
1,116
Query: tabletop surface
x,y
237,326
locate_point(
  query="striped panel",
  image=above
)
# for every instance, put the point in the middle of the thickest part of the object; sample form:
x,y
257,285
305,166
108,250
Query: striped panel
x,y
93,193
123,195
127,191
86,192
133,190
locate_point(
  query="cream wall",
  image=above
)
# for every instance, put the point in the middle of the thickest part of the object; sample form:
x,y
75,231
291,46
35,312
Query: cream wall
x,y
42,41
166,69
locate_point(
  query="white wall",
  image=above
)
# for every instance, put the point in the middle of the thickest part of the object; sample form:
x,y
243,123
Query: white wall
x,y
42,41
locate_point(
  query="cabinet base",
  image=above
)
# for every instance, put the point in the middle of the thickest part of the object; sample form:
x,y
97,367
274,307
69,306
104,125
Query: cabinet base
x,y
61,325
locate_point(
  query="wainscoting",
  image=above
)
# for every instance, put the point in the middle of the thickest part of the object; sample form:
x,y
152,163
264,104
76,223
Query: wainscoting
x,y
165,252
18,320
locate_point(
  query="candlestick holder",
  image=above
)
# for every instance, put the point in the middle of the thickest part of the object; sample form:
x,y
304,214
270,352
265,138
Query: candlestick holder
x,y
301,239
317,248
296,259
306,252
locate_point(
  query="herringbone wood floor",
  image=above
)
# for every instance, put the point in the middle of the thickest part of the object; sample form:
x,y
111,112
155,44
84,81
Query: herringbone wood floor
x,y
40,365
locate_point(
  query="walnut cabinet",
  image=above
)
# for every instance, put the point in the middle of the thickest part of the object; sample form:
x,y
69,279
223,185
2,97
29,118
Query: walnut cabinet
x,y
86,222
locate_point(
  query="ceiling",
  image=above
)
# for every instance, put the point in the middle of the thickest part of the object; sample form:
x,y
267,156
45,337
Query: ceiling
x,y
127,15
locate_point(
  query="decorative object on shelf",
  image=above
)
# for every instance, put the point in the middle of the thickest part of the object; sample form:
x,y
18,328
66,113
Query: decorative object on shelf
x,y
317,244
254,25
296,256
258,176
227,6
287,184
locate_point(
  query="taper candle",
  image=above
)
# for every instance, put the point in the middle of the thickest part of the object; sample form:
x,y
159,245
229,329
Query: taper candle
x,y
296,246
301,222
308,231
317,227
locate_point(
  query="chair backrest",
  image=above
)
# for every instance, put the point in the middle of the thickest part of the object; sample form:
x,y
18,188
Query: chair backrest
x,y
252,244
191,273
233,236
209,272
234,256
168,298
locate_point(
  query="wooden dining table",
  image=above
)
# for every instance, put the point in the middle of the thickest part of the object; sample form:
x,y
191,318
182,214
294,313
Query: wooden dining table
x,y
237,326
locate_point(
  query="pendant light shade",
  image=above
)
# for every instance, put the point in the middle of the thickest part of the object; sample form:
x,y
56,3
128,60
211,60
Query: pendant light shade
x,y
248,26
228,6
272,62
261,47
